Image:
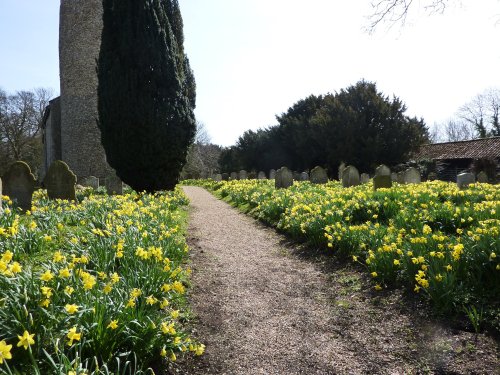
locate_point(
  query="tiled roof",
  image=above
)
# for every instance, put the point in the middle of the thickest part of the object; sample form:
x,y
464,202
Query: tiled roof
x,y
485,148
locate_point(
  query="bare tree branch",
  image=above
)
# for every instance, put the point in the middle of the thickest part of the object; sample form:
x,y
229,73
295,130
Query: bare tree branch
x,y
395,12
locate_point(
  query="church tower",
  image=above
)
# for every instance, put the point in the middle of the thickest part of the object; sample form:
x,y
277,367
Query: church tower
x,y
80,28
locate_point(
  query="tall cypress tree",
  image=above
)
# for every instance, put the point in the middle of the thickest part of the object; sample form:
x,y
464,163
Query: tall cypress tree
x,y
146,92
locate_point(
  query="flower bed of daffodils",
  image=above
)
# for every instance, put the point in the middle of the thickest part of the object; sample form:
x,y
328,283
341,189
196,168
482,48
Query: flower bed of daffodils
x,y
432,238
95,286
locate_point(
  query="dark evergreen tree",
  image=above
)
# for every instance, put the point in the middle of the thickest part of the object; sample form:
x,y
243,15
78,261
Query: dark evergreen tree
x,y
146,92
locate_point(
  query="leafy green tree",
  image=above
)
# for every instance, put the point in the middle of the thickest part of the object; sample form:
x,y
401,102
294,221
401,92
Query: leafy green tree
x,y
146,92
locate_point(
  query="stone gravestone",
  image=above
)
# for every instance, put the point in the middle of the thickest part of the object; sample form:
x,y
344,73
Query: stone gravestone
x,y
283,179
341,170
464,179
225,177
243,175
218,177
272,174
382,170
382,181
400,178
304,176
394,177
234,176
482,177
261,176
19,184
318,175
113,185
60,181
350,176
412,176
91,181
365,178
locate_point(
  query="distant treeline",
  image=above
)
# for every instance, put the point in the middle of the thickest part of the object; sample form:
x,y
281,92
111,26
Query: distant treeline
x,y
358,126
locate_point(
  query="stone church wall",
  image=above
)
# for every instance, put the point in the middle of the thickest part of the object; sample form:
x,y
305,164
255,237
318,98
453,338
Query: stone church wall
x,y
79,43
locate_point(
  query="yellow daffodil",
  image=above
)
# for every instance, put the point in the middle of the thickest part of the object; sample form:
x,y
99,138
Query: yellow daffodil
x,y
73,336
26,340
5,351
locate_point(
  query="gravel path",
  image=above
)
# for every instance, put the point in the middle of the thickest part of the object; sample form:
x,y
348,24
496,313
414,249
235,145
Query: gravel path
x,y
262,309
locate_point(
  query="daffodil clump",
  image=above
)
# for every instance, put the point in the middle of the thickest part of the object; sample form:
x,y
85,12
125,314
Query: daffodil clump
x,y
437,240
95,286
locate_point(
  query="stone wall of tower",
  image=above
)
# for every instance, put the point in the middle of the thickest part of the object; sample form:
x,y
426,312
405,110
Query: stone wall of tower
x,y
79,43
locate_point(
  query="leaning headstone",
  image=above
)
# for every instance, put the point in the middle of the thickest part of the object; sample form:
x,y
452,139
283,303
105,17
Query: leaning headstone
x,y
91,181
341,170
218,177
394,177
234,176
432,176
464,179
382,170
283,179
365,178
304,176
113,185
382,181
482,177
272,174
261,176
19,184
350,176
243,175
412,176
318,175
225,176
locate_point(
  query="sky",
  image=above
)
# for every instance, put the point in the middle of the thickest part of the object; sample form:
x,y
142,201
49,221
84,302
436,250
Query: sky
x,y
253,59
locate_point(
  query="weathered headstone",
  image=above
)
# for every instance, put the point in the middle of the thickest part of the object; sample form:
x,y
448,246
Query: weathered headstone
x,y
464,179
113,185
341,170
382,181
432,176
234,176
304,176
91,181
412,176
261,176
394,177
365,178
218,177
243,175
400,177
19,184
284,178
272,174
382,170
225,176
350,176
60,181
482,177
318,175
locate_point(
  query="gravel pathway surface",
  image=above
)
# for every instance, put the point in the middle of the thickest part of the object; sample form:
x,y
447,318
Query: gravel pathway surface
x,y
263,309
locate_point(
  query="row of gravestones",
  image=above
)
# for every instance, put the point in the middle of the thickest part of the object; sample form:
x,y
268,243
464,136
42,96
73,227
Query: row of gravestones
x,y
350,176
60,182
